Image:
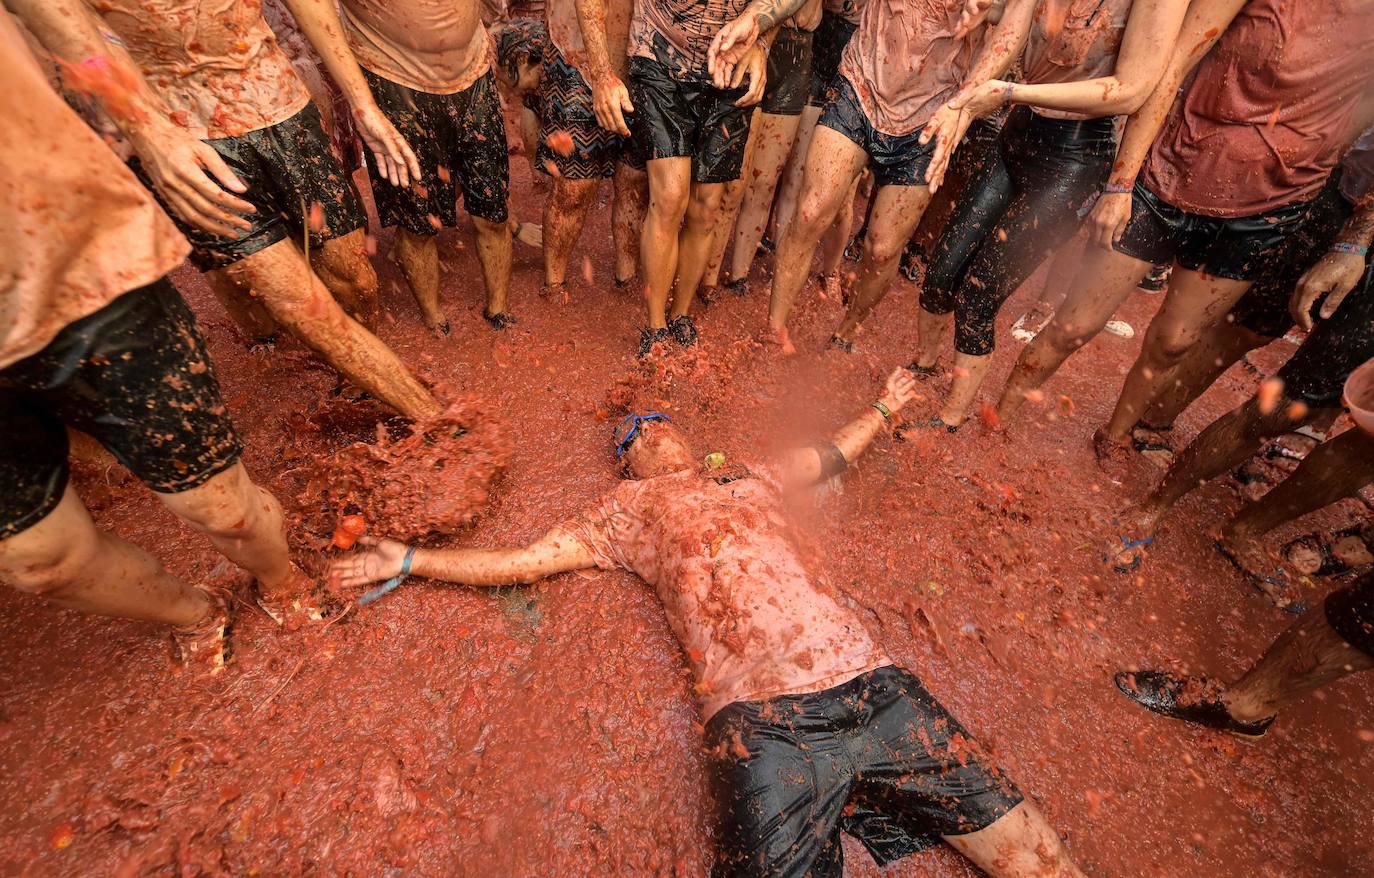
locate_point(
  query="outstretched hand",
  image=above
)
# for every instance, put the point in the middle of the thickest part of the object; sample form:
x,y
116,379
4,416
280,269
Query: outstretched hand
x,y
899,390
193,179
728,48
381,559
395,159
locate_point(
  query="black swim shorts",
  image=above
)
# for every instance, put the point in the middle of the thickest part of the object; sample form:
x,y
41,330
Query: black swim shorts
x,y
832,35
677,115
876,757
288,168
460,141
1264,308
789,73
896,160
1335,347
136,376
1350,611
1236,248
564,103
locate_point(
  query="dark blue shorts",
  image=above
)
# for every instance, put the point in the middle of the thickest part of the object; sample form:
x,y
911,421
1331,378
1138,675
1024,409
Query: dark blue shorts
x,y
895,160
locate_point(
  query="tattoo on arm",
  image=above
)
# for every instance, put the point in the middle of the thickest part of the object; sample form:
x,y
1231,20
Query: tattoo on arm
x,y
771,13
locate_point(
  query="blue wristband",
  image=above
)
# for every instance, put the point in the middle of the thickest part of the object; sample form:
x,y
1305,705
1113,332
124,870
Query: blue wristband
x,y
1343,247
391,583
1117,188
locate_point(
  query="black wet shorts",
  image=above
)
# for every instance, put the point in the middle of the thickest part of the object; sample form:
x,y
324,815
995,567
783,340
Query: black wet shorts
x,y
896,160
832,35
1264,308
688,116
288,168
1237,248
1350,611
460,140
1335,347
135,375
564,103
876,757
789,73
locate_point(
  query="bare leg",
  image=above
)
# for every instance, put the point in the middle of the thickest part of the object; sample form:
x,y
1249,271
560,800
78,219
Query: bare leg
x,y
896,211
1020,844
243,306
65,559
565,211
627,219
418,257
670,183
1220,347
832,165
343,265
703,212
1194,302
932,330
1057,283
771,148
969,371
299,301
836,238
789,192
493,253
725,224
1104,280
1306,657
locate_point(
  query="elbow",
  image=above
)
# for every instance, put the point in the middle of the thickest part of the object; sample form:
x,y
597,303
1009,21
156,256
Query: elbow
x,y
1126,98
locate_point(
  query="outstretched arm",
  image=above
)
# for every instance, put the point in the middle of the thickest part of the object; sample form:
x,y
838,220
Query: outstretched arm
x,y
319,21
555,552
1204,24
806,466
94,62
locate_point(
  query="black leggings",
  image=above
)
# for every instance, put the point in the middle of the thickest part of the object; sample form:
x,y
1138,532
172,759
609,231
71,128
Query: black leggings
x,y
1028,198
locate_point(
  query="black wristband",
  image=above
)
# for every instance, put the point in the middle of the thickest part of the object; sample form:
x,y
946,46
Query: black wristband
x,y
832,459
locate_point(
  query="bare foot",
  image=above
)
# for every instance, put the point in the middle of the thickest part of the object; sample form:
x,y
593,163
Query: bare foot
x,y
294,603
1247,554
1108,449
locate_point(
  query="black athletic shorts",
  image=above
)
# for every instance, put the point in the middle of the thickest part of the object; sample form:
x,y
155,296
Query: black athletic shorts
x,y
460,140
896,160
135,375
1237,248
288,168
1335,347
876,757
688,116
789,73
1264,308
564,103
832,35
1350,611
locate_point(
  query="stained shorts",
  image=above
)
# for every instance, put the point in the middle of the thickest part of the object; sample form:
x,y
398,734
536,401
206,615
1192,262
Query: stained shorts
x,y
686,115
1264,308
1236,248
135,375
460,141
289,168
789,73
827,46
564,103
1350,611
1335,347
896,160
877,757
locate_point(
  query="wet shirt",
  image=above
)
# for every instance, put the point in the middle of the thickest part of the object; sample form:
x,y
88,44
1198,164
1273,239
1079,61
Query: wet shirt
x,y
77,230
753,619
1073,40
678,33
1357,170
215,63
904,62
1270,111
434,46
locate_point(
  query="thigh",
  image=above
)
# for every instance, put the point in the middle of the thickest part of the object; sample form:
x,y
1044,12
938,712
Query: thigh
x,y
345,257
663,125
137,377
833,163
896,212
1336,346
722,135
33,456
314,192
1193,302
1103,281
773,137
781,798
481,161
1155,230
978,209
426,205
922,776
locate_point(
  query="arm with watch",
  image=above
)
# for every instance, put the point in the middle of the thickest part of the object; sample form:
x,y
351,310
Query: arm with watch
x,y
816,463
1338,271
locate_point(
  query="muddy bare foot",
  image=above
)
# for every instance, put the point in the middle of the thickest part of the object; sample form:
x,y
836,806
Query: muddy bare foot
x,y
1109,450
295,603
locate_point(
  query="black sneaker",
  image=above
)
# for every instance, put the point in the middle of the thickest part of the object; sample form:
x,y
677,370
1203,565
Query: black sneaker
x,y
650,337
684,331
739,286
841,344
854,250
1157,279
1191,699
766,245
500,321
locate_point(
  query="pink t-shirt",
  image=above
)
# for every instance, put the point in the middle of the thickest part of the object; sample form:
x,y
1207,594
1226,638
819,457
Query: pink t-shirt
x,y
215,63
433,46
680,31
1074,40
755,620
904,62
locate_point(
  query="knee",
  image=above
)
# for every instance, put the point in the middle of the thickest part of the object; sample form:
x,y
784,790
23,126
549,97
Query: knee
x,y
49,569
1068,337
668,199
229,506
1170,347
490,230
811,216
572,195
882,249
703,208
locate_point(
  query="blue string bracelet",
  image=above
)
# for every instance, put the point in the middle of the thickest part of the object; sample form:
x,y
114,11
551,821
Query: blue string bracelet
x,y
391,583
1345,247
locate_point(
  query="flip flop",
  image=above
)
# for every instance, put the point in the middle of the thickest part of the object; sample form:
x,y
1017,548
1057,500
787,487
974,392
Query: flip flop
x,y
1278,581
1127,544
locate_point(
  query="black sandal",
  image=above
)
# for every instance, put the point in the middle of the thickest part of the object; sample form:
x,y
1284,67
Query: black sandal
x,y
1322,544
500,321
1169,696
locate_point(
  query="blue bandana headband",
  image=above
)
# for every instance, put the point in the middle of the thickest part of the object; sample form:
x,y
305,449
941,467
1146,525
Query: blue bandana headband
x,y
629,429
